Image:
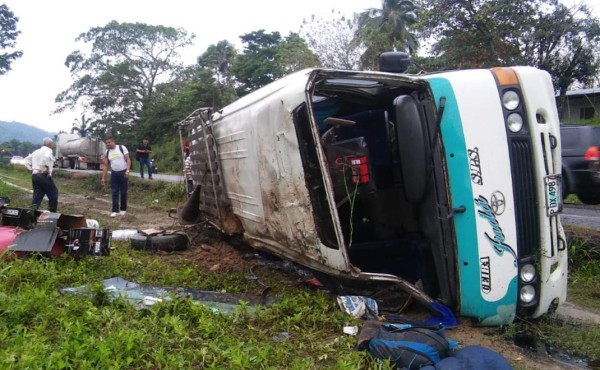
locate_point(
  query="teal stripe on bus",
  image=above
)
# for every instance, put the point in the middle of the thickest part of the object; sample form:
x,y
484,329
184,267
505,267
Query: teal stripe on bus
x,y
461,193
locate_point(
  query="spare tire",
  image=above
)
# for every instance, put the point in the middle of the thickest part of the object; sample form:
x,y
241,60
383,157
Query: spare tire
x,y
163,242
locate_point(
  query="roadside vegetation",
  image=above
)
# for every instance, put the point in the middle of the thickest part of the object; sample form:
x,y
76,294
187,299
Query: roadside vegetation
x,y
40,328
158,195
567,339
576,339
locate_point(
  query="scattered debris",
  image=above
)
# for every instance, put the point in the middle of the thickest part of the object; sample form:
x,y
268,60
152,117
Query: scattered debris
x,y
24,231
146,296
124,234
359,306
350,330
280,336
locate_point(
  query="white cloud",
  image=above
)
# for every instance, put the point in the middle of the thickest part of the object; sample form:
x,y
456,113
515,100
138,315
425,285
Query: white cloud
x,y
49,29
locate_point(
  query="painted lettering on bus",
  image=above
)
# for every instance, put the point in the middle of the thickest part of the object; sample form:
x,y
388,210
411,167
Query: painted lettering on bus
x,y
475,166
486,274
498,239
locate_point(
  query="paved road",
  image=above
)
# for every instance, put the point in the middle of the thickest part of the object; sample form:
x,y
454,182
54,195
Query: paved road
x,y
581,215
156,176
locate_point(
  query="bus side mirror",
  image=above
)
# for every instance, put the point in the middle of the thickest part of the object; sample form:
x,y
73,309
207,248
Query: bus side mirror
x,y
394,62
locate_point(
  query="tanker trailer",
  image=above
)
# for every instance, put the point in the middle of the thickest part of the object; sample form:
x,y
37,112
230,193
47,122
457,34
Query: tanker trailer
x,y
79,153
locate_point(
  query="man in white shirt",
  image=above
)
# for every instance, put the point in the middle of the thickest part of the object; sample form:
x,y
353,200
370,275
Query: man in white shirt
x,y
118,157
40,163
187,171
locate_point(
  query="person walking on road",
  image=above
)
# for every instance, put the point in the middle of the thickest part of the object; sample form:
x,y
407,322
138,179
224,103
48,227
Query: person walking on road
x,y
118,157
142,154
40,163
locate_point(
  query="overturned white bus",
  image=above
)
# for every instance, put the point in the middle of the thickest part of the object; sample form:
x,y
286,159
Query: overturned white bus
x,y
450,179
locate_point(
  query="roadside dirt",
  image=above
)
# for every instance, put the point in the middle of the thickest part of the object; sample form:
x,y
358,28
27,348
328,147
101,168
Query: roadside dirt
x,y
137,217
210,252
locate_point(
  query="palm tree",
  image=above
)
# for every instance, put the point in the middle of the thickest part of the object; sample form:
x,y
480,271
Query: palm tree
x,y
386,29
82,126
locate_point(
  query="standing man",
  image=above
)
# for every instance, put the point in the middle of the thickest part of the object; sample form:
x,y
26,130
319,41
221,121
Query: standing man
x,y
187,171
118,156
143,155
40,162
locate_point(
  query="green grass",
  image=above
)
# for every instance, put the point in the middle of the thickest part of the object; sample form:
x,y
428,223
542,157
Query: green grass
x,y
577,339
156,194
572,199
584,272
40,328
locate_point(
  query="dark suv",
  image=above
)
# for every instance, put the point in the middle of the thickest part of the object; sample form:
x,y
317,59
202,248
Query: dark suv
x,y
581,162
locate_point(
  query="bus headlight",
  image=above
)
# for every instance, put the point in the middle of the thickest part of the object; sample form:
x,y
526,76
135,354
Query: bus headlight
x,y
527,273
527,293
510,100
514,121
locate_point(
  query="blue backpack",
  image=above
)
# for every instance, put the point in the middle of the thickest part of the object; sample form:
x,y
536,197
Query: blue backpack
x,y
410,347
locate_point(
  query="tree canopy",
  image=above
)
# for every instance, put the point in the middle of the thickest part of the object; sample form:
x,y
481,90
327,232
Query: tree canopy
x,y
218,59
486,33
385,29
82,126
267,57
120,73
8,37
331,39
131,83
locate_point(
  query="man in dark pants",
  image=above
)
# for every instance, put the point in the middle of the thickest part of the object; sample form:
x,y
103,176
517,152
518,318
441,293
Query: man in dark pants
x,y
143,155
40,162
118,157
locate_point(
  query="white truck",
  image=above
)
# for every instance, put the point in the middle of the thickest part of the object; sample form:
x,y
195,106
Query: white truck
x,y
74,151
446,184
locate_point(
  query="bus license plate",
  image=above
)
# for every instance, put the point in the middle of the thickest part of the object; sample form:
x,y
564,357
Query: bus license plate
x,y
553,187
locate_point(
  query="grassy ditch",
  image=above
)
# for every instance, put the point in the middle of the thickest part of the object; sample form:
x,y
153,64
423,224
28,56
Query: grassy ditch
x,y
40,328
584,261
569,339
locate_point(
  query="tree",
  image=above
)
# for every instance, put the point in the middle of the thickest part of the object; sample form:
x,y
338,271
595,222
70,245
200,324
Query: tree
x,y
267,57
487,33
257,66
332,40
82,126
386,29
293,55
218,60
16,147
120,74
8,37
172,102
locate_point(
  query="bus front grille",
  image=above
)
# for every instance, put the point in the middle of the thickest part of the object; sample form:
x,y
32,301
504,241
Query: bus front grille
x,y
526,208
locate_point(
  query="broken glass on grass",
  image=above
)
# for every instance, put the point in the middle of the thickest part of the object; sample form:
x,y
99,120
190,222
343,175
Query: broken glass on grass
x,y
144,296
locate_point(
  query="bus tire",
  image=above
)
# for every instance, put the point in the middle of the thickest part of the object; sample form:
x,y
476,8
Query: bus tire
x,y
167,242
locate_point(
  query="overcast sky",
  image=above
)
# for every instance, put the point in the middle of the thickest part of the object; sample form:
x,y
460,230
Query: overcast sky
x,y
49,28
